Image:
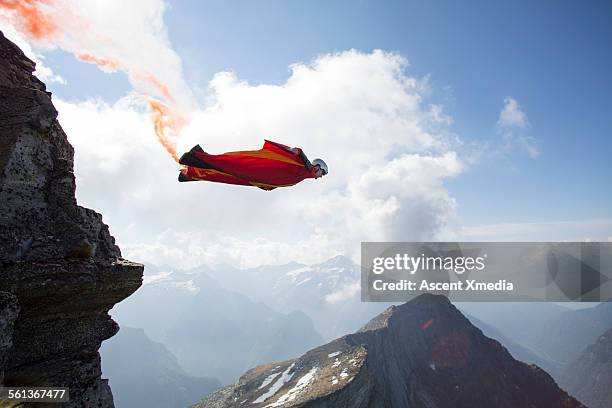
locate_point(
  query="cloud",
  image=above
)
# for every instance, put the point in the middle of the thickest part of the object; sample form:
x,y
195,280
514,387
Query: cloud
x,y
512,115
577,230
387,149
514,125
195,248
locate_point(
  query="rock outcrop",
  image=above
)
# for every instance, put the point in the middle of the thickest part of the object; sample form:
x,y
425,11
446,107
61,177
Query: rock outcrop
x,y
589,377
423,354
60,270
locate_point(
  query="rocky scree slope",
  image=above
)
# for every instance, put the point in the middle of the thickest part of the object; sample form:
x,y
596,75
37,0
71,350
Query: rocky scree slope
x,y
424,354
60,270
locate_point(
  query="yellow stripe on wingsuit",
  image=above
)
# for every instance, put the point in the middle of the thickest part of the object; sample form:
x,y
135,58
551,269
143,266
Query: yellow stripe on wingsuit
x,y
204,172
270,185
266,154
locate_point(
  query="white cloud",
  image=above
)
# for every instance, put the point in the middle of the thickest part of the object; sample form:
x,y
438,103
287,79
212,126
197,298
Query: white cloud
x,y
578,230
512,115
195,248
131,34
514,125
388,148
388,156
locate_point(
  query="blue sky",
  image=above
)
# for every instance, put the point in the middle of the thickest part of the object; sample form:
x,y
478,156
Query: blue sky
x,y
553,57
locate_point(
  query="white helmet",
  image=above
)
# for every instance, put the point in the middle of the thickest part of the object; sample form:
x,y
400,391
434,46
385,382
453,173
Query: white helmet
x,y
321,164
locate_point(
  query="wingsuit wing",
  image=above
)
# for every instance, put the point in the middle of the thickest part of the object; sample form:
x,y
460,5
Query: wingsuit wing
x,y
274,165
191,173
194,173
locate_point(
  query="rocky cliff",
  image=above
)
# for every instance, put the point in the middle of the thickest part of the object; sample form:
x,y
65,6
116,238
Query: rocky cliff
x,y
423,354
60,270
589,377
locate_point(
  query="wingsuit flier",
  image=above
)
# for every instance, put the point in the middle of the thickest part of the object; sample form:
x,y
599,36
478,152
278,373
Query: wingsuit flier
x,y
274,165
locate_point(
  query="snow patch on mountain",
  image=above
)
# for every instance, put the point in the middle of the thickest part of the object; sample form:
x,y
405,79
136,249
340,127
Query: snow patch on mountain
x,y
285,377
296,272
296,390
268,380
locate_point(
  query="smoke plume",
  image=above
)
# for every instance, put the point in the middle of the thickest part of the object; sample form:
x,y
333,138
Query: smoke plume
x,y
116,36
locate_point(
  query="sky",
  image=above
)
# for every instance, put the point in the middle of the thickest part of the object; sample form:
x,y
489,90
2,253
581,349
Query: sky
x,y
439,120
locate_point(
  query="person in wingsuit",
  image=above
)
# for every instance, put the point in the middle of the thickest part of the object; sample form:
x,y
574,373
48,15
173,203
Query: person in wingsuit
x,y
274,165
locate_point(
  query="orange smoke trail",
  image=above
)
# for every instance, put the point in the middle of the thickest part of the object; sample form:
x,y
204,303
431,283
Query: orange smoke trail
x,y
34,21
165,123
160,87
165,120
103,62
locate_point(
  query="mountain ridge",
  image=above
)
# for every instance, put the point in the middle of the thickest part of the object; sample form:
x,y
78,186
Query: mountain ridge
x,y
423,353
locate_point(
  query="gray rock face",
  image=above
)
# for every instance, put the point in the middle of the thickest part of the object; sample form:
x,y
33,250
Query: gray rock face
x,y
57,259
39,219
9,309
423,354
589,377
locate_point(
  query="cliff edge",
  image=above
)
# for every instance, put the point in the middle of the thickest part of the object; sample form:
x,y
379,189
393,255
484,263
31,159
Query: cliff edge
x,y
60,270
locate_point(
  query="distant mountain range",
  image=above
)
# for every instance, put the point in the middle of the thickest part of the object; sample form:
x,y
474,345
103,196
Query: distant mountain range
x,y
329,292
565,336
144,373
424,353
223,326
589,377
213,332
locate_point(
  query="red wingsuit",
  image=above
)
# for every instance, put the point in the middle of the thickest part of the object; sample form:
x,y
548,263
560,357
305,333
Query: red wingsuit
x,y
274,165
